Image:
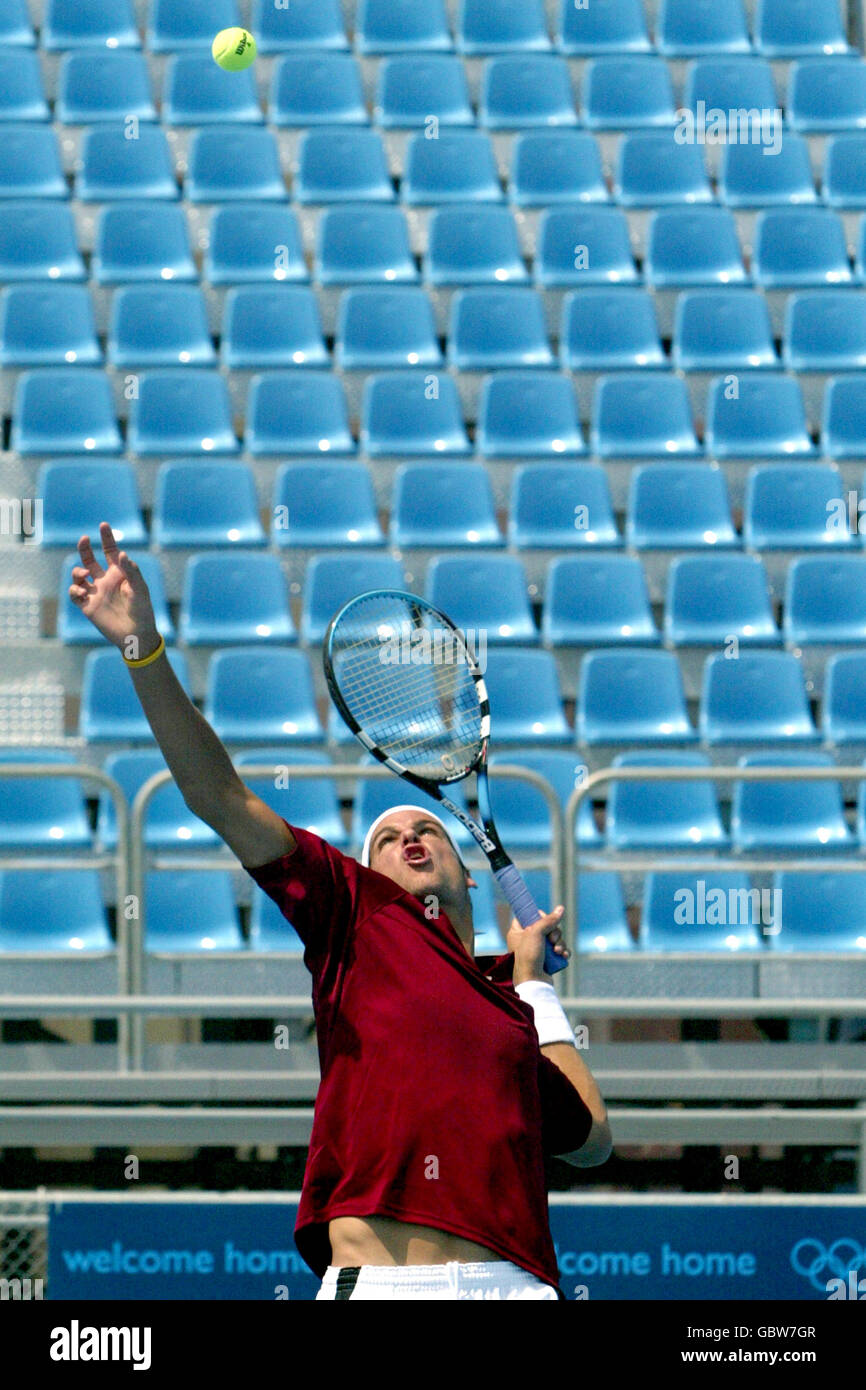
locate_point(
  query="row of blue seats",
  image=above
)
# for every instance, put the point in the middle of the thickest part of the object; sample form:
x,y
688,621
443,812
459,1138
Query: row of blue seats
x,y
589,600
580,246
625,696
227,163
380,327
568,506
62,911
780,816
516,93
186,411
781,27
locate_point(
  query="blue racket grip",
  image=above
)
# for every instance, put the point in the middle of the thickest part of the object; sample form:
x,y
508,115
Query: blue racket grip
x,y
524,908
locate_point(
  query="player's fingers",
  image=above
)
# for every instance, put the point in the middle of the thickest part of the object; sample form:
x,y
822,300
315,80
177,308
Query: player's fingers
x,y
109,544
88,559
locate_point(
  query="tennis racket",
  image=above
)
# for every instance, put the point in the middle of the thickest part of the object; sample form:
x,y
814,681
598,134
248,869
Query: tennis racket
x,y
408,685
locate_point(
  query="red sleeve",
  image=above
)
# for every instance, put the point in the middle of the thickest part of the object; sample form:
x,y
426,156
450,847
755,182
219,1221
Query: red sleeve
x,y
566,1118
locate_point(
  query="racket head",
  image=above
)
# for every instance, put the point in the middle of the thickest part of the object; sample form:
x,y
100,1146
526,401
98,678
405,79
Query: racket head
x,y
407,683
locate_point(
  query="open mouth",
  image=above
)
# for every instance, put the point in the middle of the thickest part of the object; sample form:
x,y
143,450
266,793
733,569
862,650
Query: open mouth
x,y
416,854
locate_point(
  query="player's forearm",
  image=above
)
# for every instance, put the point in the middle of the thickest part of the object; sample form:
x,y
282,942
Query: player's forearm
x,y
598,1145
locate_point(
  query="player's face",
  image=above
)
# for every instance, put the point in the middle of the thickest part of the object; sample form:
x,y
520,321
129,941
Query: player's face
x,y
414,850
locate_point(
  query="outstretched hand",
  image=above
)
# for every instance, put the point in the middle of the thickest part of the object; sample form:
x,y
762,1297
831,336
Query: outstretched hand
x,y
115,598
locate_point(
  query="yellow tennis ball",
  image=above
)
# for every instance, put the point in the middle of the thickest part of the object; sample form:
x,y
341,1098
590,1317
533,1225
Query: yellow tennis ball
x,y
234,49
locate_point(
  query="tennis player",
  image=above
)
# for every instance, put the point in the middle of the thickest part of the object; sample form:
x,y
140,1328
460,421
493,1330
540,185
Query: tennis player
x,y
446,1078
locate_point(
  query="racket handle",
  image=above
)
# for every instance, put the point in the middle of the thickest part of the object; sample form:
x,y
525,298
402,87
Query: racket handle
x,y
524,908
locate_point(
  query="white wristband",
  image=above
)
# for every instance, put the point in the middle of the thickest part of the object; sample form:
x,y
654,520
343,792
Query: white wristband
x,y
551,1023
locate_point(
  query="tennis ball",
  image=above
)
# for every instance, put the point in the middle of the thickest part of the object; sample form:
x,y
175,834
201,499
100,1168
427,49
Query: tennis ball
x,y
234,49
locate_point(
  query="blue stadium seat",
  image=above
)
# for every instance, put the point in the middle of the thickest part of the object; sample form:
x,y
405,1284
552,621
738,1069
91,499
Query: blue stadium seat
x,y
522,812
723,330
844,702
142,241
16,31
415,90
556,166
605,26
252,243
206,504
48,325
399,415
304,24
634,415
627,93
789,816
38,241
183,411
380,328
110,86
508,27
31,165
488,933
827,94
261,694
343,164
789,28
168,823
73,628
190,910
766,420
234,600
332,580
800,247
373,797
317,89
484,593
825,600
443,504
232,163
522,414
270,930
521,91
160,326
610,330
473,245
632,697
709,911
297,412
272,326
759,698
597,600
179,25
602,924
42,813
385,27
823,912
730,85
100,23
678,507
843,432
693,246
68,411
562,505
364,245
711,598
110,709
525,698
844,184
584,246
311,803
22,96
674,815
197,93
112,167
748,179
790,506
710,26
77,494
459,167
825,331
652,171
494,328
53,910
320,505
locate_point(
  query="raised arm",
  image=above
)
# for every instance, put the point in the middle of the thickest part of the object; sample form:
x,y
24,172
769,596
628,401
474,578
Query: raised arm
x,y
116,600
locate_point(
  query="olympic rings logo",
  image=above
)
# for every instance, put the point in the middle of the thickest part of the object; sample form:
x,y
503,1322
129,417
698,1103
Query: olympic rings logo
x,y
818,1264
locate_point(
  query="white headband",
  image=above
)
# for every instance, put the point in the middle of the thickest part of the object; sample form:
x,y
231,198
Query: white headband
x,y
392,810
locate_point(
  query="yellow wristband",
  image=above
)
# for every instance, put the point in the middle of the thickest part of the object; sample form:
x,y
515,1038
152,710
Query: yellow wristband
x,y
146,660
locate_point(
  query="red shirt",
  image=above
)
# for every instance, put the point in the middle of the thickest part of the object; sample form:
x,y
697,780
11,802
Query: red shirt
x,y
436,1105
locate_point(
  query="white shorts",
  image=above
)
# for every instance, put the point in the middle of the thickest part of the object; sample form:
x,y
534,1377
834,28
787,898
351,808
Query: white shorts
x,y
494,1279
